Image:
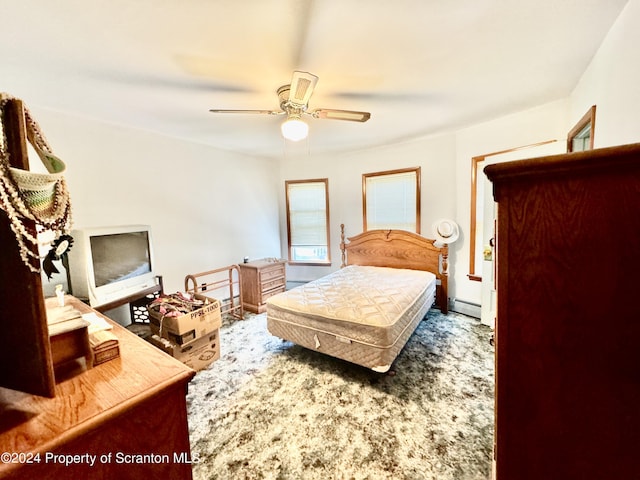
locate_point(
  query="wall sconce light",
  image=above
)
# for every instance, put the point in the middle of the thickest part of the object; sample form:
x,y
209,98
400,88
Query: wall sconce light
x,y
294,129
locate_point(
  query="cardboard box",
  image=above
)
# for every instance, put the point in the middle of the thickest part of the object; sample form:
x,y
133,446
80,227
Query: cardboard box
x,y
189,327
197,354
167,334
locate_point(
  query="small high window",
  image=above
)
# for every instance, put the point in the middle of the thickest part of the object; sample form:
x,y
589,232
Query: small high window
x,y
580,137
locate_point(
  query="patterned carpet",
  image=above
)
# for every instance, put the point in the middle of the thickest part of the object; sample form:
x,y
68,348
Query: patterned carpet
x,y
268,409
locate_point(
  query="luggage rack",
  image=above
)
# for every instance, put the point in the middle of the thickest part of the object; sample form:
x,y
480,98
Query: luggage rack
x,y
227,278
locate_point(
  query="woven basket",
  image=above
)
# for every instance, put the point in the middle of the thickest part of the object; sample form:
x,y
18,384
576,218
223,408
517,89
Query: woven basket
x,y
39,189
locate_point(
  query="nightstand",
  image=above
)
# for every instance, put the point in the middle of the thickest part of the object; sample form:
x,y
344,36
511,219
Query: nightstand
x,y
261,279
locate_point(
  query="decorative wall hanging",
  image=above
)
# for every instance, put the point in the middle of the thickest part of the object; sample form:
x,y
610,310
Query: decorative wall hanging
x,y
40,197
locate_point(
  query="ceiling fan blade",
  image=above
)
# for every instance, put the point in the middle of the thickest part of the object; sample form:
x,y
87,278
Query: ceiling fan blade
x,y
333,114
302,85
147,80
263,112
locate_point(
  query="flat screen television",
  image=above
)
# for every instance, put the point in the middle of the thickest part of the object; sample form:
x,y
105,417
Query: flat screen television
x,y
107,264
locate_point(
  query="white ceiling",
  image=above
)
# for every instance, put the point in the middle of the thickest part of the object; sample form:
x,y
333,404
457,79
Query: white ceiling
x,y
419,66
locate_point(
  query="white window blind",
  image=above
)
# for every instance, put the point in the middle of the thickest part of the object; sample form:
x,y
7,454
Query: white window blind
x,y
391,201
307,216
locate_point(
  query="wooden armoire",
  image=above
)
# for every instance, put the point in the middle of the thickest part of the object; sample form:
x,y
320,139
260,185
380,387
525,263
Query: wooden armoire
x,y
568,326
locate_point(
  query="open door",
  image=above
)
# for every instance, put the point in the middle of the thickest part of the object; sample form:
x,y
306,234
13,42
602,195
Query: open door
x,y
486,212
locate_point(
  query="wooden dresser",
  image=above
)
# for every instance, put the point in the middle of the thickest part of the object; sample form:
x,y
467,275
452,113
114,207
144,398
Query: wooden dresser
x,y
260,280
124,419
568,325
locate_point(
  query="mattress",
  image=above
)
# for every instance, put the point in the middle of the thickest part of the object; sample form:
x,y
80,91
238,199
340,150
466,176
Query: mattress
x,y
362,314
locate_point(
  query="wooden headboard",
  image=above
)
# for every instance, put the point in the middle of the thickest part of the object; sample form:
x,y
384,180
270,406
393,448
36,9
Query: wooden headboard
x,y
399,249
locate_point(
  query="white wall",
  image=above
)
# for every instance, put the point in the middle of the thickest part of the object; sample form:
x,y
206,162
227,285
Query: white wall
x,y
445,161
207,208
210,208
345,171
611,82
540,124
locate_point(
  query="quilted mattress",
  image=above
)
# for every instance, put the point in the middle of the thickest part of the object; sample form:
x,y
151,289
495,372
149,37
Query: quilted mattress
x,y
361,314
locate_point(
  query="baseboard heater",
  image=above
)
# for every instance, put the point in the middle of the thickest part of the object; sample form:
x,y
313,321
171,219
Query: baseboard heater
x,y
466,308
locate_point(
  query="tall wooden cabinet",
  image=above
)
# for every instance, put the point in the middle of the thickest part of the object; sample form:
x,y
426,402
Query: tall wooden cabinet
x,y
568,326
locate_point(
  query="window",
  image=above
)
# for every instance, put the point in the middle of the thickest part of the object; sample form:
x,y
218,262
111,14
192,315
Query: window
x,y
580,137
391,199
308,221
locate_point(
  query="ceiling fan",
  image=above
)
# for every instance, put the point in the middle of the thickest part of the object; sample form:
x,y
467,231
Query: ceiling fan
x,y
294,103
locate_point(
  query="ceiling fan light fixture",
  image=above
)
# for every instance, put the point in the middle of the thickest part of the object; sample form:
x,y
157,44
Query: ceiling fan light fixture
x,y
294,129
294,102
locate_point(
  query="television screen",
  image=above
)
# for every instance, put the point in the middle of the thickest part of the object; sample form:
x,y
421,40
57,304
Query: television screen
x,y
120,256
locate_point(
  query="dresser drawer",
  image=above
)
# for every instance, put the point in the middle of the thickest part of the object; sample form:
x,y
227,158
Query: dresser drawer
x,y
266,274
273,283
271,293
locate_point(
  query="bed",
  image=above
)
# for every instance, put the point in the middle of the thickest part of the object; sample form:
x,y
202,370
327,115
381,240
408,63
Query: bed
x,y
366,311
